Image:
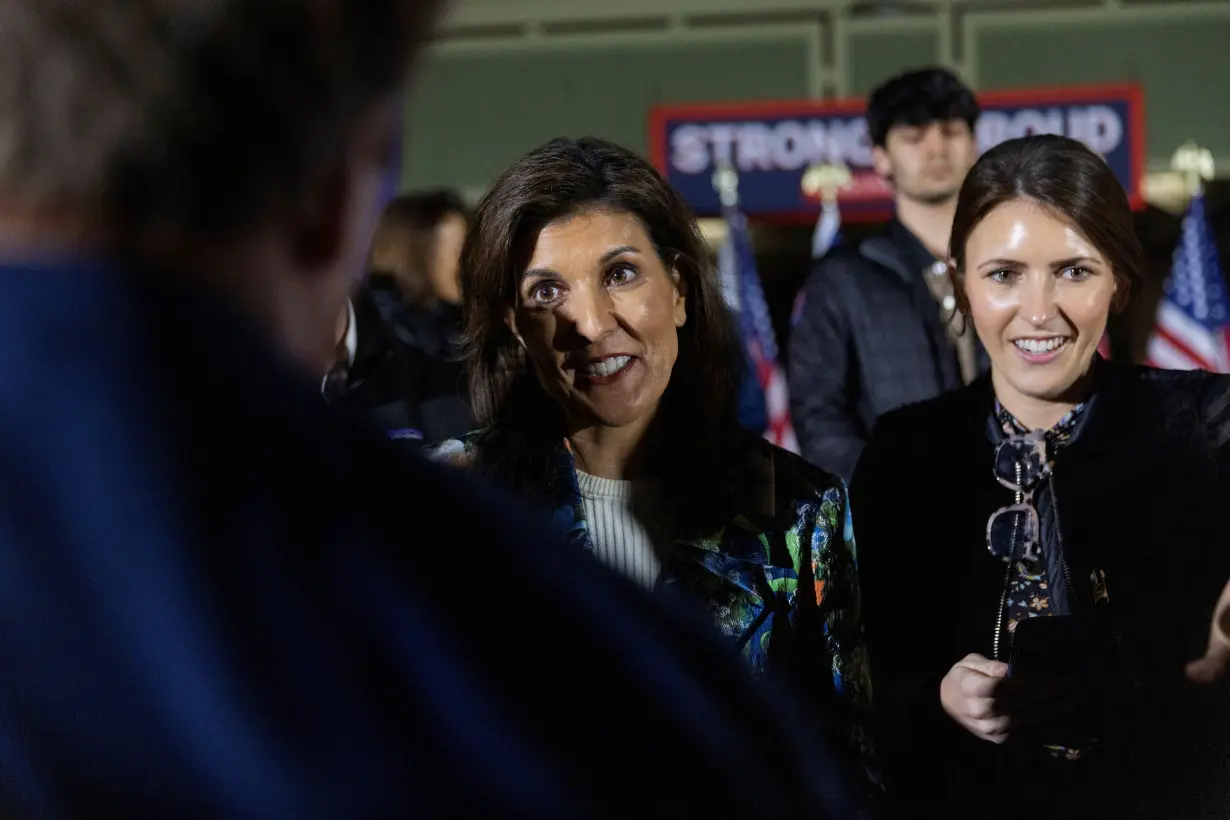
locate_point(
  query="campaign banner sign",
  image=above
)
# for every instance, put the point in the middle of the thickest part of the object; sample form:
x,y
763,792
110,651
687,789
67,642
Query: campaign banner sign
x,y
772,144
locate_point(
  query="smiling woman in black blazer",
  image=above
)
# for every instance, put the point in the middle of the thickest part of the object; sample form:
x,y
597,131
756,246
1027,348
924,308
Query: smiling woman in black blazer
x,y
1060,485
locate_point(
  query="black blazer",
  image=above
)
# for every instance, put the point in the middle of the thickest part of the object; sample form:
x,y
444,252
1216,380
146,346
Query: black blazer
x,y
1140,494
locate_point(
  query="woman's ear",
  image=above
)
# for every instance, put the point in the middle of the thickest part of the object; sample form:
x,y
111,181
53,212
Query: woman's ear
x,y
680,306
1120,296
510,319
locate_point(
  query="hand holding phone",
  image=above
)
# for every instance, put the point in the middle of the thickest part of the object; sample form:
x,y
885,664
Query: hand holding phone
x,y
980,696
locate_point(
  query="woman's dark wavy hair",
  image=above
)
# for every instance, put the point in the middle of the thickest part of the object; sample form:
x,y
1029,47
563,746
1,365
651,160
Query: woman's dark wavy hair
x,y
1068,179
405,239
524,428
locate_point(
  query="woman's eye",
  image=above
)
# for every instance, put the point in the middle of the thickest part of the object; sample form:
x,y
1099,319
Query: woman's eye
x,y
1002,276
1076,274
544,293
621,275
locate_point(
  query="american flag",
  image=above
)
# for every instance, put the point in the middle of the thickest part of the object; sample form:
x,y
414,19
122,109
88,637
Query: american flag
x,y
744,294
1193,321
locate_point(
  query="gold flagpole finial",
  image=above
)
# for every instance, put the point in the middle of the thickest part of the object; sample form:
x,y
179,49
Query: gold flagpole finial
x,y
825,180
1195,164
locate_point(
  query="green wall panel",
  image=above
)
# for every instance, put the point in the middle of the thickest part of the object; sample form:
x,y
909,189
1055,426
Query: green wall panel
x,y
473,113
1181,64
876,56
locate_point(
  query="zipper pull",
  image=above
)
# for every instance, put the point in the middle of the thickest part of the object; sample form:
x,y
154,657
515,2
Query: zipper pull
x,y
1100,593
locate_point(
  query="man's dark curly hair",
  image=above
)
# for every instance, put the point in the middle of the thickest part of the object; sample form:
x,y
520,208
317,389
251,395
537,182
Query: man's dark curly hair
x,y
919,98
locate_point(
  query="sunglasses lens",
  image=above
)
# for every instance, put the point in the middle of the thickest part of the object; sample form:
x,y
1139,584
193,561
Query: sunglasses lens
x,y
1021,461
1012,534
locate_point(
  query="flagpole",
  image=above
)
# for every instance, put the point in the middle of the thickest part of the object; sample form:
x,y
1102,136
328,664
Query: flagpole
x,y
726,182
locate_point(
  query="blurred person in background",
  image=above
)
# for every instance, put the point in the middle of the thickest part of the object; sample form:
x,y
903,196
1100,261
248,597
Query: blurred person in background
x,y
1044,676
413,278
396,388
874,329
605,369
218,597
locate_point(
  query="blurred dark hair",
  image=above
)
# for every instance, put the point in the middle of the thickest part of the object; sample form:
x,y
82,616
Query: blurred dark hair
x,y
524,426
405,237
204,117
919,98
1067,179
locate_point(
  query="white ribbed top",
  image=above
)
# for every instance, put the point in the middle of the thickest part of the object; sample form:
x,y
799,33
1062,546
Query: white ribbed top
x,y
627,525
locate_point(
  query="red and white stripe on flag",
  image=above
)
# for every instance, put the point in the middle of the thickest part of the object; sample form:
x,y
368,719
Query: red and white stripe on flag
x,y
758,337
777,408
1179,343
772,380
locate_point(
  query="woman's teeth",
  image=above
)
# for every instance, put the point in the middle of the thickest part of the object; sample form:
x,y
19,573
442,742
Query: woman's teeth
x,y
1037,346
606,367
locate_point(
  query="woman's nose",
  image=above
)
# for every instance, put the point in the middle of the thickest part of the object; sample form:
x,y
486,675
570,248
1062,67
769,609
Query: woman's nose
x,y
593,313
1038,301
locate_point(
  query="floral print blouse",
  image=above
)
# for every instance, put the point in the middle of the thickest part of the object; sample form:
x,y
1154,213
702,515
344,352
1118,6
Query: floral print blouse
x,y
747,575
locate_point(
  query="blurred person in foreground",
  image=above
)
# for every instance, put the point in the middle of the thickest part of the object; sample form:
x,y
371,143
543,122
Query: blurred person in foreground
x,y
874,331
413,278
605,369
218,599
1072,511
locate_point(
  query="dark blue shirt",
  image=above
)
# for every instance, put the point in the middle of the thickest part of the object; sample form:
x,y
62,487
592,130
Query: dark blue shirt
x,y
217,600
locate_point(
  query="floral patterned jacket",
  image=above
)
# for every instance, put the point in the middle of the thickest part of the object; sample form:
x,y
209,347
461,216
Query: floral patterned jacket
x,y
779,578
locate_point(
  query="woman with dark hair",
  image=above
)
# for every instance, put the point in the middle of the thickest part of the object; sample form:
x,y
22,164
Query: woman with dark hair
x,y
413,269
605,370
1042,550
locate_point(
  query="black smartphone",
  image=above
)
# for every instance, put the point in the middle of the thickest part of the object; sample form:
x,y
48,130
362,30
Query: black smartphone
x,y
1074,648
1066,646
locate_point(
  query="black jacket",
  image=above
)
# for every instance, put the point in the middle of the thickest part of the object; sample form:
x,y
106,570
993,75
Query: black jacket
x,y
868,340
399,389
432,329
1142,495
